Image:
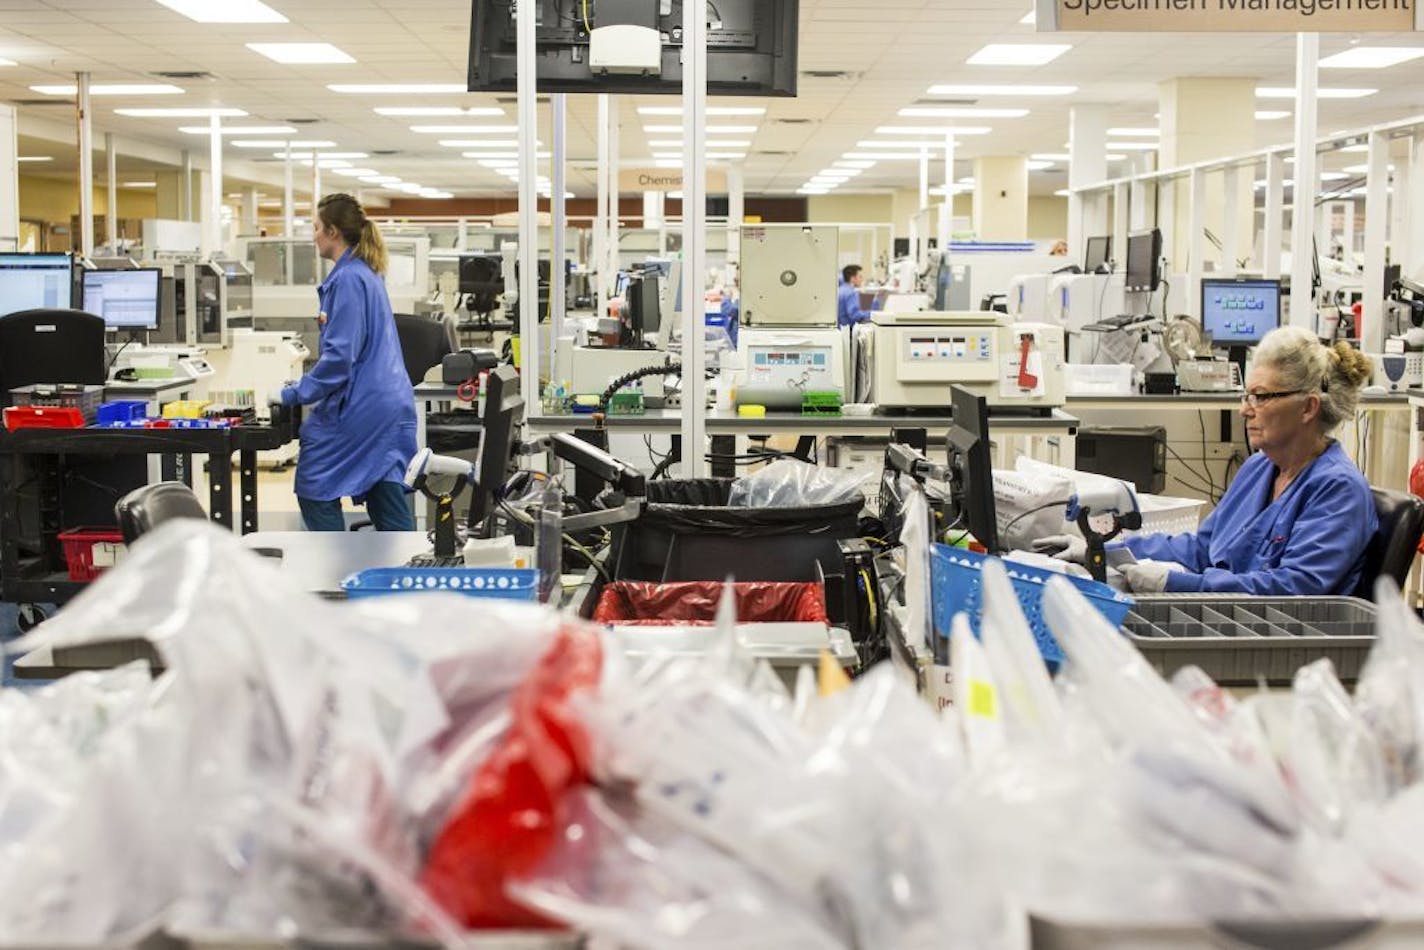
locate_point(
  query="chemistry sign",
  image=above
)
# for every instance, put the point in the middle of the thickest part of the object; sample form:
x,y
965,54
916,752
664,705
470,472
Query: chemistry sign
x,y
661,179
1241,16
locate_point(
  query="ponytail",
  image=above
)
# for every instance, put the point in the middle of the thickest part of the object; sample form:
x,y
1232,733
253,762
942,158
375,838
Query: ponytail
x,y
345,214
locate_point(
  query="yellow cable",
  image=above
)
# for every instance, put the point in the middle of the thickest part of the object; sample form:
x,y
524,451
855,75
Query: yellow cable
x,y
870,593
586,28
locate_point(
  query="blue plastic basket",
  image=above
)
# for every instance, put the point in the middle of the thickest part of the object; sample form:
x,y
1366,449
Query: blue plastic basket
x,y
121,411
496,582
955,584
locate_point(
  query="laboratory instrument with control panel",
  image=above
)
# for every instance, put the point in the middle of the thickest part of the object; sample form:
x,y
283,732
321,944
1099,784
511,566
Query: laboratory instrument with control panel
x,y
780,366
917,357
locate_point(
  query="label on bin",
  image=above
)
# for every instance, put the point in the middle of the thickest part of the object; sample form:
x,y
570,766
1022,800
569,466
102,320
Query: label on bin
x,y
939,687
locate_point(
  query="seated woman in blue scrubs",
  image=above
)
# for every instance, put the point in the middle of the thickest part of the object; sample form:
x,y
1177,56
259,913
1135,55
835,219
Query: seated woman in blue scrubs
x,y
359,434
1299,515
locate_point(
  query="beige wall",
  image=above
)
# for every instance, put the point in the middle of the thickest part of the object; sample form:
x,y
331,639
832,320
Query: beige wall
x,y
1001,198
1047,218
56,200
850,209
907,200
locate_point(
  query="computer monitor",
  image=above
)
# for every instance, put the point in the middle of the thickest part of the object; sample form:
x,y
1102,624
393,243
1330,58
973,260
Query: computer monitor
x,y
502,411
36,282
1097,253
900,248
644,307
973,467
481,274
1144,261
126,299
1237,313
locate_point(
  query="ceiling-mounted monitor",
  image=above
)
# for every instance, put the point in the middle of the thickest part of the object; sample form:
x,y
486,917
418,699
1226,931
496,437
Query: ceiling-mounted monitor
x,y
635,47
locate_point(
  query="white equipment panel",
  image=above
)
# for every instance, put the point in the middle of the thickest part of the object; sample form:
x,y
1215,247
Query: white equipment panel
x,y
790,275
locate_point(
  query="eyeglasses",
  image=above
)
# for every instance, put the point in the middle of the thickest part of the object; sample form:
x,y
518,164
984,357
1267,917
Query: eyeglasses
x,y
1254,400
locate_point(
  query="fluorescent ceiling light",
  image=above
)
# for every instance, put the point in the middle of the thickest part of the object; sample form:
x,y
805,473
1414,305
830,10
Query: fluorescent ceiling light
x,y
465,129
1334,176
35,158
1038,166
960,112
225,11
1051,157
239,129
1270,115
838,172
966,181
1372,57
711,129
282,143
408,188
321,155
301,54
507,153
480,143
917,146
183,113
436,194
1114,157
380,180
719,143
906,156
1355,148
1134,146
399,88
711,110
355,172
726,156
1143,132
853,164
944,130
1360,169
970,89
667,155
138,184
1063,193
1324,92
500,162
7,62
112,89
434,111
327,163
1018,54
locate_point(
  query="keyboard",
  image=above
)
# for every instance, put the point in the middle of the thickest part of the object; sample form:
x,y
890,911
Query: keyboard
x,y
430,560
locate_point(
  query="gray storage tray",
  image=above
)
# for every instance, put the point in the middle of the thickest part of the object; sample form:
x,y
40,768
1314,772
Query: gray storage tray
x,y
1240,640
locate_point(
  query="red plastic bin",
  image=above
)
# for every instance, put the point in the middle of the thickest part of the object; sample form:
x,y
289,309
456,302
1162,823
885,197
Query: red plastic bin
x,y
640,603
43,417
79,544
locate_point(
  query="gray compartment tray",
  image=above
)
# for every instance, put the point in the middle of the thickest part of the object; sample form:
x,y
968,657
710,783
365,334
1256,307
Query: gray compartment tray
x,y
1240,640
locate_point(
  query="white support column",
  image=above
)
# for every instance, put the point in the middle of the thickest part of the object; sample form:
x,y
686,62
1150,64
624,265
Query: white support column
x,y
1413,260
558,219
1165,220
215,183
185,193
736,214
1121,201
615,197
111,204
599,262
86,167
1272,243
653,206
1401,152
1138,216
1376,230
694,236
1196,233
946,210
919,247
528,211
1087,165
250,211
316,186
1230,227
1302,298
9,178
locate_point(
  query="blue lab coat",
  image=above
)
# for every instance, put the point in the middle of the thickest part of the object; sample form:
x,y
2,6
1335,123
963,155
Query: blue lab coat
x,y
1309,542
848,311
360,427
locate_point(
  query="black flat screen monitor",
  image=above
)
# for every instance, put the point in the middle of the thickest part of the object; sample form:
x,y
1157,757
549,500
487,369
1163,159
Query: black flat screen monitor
x,y
481,274
1144,261
1097,253
502,412
36,282
751,47
1240,312
901,248
970,460
126,299
644,306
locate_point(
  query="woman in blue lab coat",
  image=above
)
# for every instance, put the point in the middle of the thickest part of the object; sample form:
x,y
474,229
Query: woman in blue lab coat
x,y
1299,515
359,434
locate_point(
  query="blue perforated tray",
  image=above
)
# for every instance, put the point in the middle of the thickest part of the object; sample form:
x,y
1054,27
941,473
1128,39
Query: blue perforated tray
x,y
502,583
955,584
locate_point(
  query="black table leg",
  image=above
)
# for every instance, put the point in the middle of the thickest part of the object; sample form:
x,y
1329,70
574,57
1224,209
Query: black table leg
x,y
247,468
220,489
724,450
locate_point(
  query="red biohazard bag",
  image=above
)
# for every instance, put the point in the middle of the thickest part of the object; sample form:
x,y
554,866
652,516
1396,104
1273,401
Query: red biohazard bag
x,y
513,810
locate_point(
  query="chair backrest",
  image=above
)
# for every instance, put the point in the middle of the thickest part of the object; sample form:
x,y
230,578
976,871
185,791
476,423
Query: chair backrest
x,y
424,343
1391,551
50,346
144,509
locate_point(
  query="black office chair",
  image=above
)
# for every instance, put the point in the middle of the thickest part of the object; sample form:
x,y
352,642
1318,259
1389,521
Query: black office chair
x,y
50,346
424,343
144,509
1391,551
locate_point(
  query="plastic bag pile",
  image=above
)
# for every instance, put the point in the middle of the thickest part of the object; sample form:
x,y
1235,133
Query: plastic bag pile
x,y
429,765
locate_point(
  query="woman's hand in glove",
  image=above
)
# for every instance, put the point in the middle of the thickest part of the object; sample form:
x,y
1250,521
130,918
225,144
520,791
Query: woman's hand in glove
x,y
1063,547
1146,577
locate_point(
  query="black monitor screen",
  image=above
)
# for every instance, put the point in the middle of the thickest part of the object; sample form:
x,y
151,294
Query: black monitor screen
x,y
1144,256
901,248
970,459
644,306
481,274
126,299
1240,312
1098,253
36,282
502,411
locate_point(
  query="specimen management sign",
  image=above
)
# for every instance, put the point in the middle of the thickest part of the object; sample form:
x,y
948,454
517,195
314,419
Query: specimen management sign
x,y
1241,16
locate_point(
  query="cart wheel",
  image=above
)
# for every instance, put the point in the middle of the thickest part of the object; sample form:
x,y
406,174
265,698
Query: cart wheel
x,y
30,616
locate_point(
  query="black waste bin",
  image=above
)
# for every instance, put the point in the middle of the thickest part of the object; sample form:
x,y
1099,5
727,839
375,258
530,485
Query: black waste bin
x,y
689,533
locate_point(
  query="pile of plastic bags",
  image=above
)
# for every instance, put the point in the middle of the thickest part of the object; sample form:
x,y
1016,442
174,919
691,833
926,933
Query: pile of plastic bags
x,y
431,765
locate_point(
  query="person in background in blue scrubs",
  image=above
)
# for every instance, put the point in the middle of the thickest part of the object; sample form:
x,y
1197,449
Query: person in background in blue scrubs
x,y
1299,515
359,434
848,309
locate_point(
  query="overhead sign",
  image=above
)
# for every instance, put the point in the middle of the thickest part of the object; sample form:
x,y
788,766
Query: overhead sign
x,y
666,179
1229,16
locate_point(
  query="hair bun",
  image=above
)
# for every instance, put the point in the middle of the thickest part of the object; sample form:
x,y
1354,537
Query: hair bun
x,y
1350,364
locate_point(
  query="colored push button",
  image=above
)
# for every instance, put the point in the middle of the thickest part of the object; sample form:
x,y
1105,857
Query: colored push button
x,y
751,412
